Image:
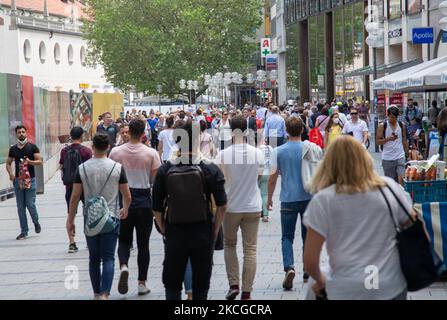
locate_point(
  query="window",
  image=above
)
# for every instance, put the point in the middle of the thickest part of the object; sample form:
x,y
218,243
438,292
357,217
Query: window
x,y
313,6
42,52
27,50
414,6
57,53
82,56
70,54
377,10
394,9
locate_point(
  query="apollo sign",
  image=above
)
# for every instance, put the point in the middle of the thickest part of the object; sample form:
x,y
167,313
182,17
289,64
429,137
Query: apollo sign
x,y
423,35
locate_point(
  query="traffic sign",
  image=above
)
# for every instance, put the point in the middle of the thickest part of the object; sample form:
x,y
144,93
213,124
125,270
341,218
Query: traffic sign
x,y
266,47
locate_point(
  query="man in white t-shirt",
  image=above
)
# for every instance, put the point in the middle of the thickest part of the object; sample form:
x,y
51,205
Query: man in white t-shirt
x,y
356,127
166,141
241,165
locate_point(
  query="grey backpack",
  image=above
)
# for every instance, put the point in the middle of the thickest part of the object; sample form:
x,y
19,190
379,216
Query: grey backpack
x,y
98,218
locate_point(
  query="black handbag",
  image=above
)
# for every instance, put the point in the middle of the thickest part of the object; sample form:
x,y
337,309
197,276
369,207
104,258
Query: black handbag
x,y
415,252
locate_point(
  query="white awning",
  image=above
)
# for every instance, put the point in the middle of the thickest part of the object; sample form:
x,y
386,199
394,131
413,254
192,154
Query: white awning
x,y
415,76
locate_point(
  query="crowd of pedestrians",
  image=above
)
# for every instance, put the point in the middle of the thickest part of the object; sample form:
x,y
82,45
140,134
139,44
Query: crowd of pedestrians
x,y
201,177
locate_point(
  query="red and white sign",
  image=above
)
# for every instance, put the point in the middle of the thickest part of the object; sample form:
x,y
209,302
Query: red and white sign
x,y
266,47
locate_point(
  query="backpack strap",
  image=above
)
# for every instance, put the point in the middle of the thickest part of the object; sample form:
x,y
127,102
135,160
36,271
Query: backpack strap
x,y
107,180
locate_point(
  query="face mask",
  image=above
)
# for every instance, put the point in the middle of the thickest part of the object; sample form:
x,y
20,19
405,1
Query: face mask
x,y
336,121
23,142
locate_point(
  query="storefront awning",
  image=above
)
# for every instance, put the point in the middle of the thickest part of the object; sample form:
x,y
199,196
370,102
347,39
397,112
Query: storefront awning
x,y
392,67
425,76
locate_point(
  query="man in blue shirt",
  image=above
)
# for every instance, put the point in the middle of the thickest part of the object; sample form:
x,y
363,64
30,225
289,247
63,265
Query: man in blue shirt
x,y
152,121
287,161
275,129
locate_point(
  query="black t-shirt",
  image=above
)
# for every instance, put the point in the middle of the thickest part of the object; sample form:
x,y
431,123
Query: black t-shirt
x,y
27,151
214,184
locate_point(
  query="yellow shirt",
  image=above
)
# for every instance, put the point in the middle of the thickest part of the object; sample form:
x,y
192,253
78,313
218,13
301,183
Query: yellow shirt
x,y
334,132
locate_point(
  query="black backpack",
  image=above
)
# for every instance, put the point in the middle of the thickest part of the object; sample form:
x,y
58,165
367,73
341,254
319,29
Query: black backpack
x,y
385,125
187,201
71,163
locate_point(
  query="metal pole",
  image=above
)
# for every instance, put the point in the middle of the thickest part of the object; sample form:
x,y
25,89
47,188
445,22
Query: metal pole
x,y
375,99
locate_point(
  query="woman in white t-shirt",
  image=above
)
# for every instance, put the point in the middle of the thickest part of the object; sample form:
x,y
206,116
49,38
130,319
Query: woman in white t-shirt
x,y
224,131
263,180
166,140
350,214
207,148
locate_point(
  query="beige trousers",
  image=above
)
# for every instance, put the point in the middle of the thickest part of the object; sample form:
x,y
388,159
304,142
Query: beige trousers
x,y
249,223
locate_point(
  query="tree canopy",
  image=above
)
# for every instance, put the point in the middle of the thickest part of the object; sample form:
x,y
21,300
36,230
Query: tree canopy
x,y
145,43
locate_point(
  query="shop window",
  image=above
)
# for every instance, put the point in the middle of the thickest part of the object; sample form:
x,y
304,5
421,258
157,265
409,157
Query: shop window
x,y
414,6
394,9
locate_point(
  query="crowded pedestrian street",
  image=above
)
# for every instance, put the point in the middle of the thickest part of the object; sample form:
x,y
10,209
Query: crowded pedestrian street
x,y
238,150
41,268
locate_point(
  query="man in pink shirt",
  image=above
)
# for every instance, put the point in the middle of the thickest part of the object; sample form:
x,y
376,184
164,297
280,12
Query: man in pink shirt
x,y
141,164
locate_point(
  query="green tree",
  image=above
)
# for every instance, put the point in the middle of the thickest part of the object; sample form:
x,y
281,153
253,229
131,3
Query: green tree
x,y
143,43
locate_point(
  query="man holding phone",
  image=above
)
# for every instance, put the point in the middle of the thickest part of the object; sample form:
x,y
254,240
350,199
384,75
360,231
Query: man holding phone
x,y
392,135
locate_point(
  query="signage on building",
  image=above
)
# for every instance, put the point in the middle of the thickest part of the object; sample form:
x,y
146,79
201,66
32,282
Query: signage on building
x,y
266,47
423,35
396,33
397,99
84,86
272,62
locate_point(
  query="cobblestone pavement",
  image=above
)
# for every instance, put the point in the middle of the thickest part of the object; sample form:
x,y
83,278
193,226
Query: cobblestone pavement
x,y
35,268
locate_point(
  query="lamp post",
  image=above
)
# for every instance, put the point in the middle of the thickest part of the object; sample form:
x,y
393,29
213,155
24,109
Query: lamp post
x,y
261,77
159,90
182,84
274,78
374,40
250,81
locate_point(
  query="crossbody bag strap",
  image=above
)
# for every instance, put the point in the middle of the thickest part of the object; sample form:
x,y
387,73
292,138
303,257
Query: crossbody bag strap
x,y
401,205
396,227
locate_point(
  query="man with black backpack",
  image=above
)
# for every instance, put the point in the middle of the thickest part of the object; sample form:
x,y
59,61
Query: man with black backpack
x,y
182,207
392,137
71,157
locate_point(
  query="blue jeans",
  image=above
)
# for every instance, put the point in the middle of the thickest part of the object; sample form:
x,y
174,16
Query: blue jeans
x,y
187,281
102,249
289,216
26,199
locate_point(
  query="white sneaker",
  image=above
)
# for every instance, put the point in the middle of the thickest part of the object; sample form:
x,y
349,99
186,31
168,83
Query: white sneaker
x,y
123,286
142,289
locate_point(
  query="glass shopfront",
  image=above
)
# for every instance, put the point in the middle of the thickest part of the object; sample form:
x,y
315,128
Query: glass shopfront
x,y
292,62
317,57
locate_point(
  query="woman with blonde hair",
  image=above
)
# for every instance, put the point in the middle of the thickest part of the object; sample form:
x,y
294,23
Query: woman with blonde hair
x,y
349,212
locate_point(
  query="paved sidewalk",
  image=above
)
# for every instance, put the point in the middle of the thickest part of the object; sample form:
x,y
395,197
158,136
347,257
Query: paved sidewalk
x,y
35,268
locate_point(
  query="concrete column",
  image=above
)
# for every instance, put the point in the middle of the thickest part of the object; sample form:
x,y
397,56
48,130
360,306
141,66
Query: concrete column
x,y
304,61
329,56
282,78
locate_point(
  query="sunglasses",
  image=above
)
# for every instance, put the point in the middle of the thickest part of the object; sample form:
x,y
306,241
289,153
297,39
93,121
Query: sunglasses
x,y
225,114
354,114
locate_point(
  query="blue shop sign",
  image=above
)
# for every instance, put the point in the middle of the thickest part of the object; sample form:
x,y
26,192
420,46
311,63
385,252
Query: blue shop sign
x,y
423,35
444,37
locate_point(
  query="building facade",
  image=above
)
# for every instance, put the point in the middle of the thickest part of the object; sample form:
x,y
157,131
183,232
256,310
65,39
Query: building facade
x,y
326,52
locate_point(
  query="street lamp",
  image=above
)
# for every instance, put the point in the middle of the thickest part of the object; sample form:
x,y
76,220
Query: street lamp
x,y
250,80
274,78
159,90
374,40
261,77
182,84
